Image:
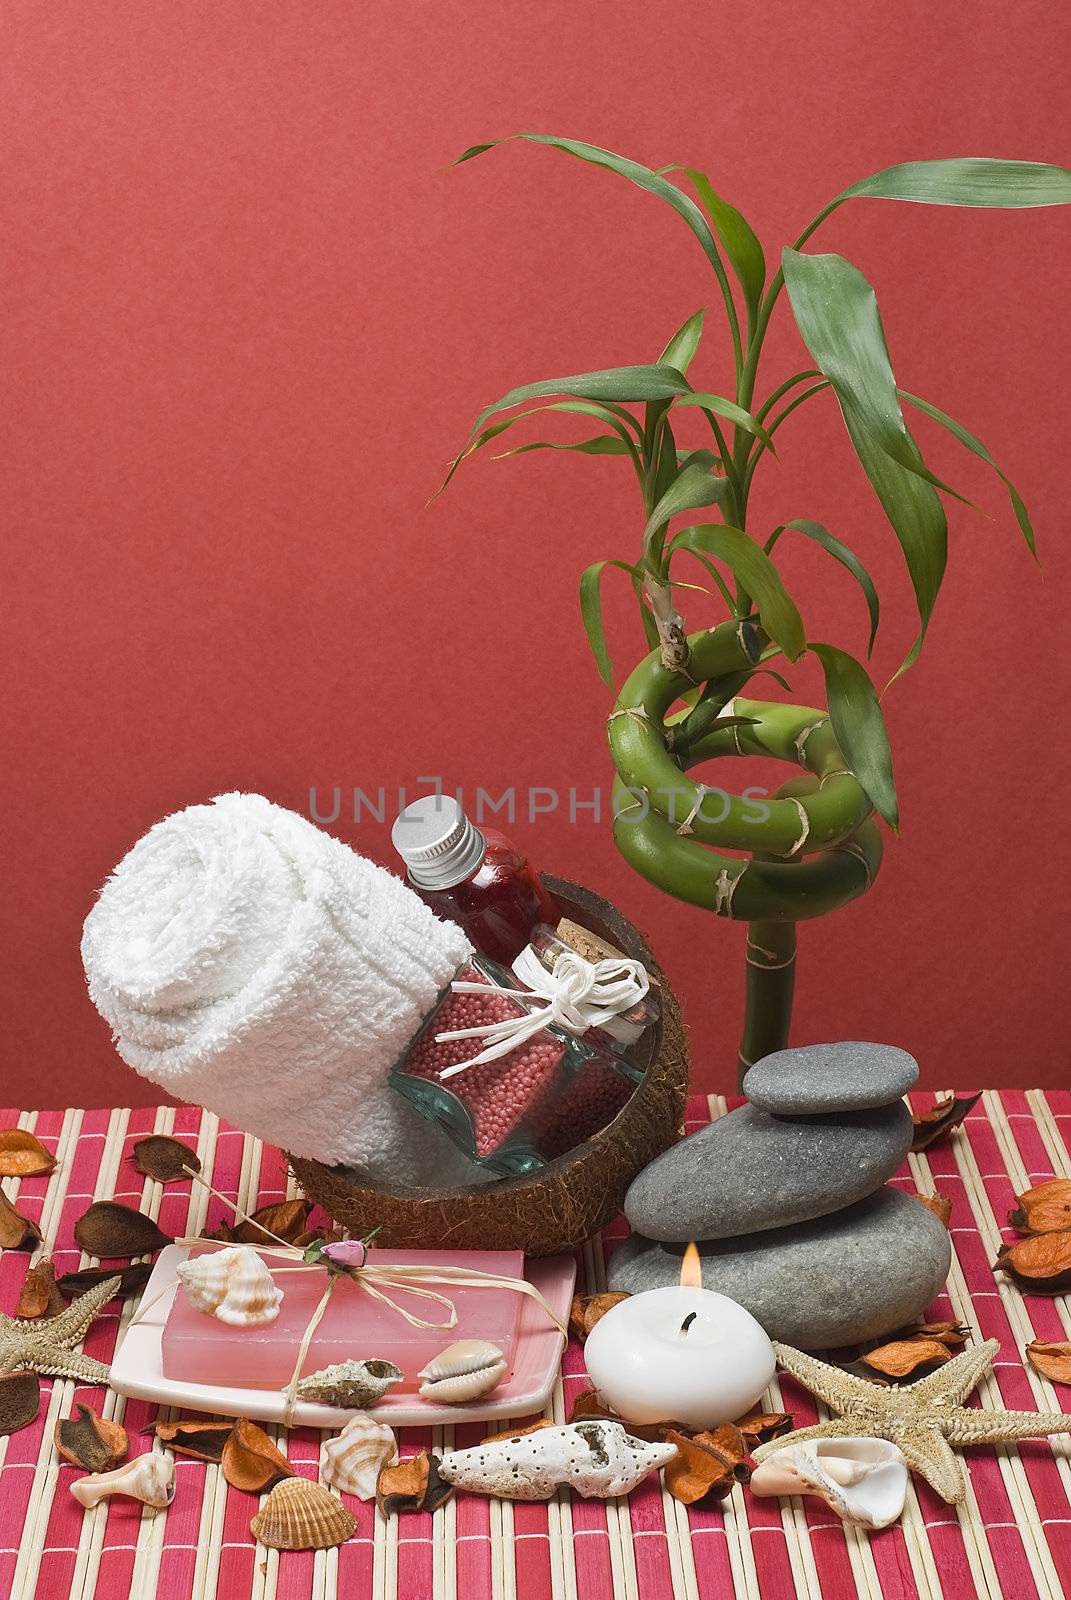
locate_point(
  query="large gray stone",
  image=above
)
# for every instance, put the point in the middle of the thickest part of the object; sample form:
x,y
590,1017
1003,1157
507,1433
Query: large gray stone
x,y
750,1171
817,1078
837,1281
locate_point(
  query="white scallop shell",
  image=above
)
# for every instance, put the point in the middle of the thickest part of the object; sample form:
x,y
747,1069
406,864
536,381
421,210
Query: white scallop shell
x,y
463,1371
233,1285
597,1459
863,1480
149,1478
356,1456
352,1384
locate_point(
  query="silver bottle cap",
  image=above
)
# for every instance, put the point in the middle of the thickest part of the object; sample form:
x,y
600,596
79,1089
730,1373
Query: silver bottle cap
x,y
437,842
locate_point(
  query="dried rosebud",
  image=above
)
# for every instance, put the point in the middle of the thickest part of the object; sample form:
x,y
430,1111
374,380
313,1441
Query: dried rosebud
x,y
710,1463
586,1310
347,1252
1053,1361
1040,1263
945,1114
904,1356
1044,1209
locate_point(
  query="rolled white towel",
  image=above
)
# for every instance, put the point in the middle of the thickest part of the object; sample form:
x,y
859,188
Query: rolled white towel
x,y
253,964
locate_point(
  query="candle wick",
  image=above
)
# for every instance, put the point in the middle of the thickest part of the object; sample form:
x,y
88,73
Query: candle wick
x,y
689,1319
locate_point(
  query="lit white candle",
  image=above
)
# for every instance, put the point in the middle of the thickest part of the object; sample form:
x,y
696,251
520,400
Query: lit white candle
x,y
681,1354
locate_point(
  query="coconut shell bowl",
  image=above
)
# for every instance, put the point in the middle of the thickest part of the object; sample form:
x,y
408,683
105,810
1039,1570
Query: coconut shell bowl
x,y
570,1198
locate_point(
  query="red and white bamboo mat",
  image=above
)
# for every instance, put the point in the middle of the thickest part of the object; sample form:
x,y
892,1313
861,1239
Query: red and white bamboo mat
x,y
1011,1538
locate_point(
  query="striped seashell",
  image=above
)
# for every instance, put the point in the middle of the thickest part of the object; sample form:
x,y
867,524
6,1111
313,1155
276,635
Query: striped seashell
x,y
357,1456
300,1515
350,1384
233,1285
463,1371
149,1478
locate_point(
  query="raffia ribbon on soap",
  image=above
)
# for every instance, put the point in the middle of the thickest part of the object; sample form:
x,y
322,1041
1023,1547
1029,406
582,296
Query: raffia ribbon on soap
x,y
579,995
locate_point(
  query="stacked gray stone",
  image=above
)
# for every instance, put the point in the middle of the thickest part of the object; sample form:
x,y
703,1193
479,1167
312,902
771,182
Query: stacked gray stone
x,y
788,1201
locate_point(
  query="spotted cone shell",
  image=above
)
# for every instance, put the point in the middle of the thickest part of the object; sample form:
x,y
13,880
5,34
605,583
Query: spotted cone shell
x,y
463,1371
299,1515
356,1456
233,1285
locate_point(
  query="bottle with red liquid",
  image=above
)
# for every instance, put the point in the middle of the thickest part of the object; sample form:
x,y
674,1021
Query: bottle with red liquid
x,y
473,876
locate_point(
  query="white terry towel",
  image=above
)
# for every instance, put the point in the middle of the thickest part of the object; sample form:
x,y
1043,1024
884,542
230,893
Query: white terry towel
x,y
251,963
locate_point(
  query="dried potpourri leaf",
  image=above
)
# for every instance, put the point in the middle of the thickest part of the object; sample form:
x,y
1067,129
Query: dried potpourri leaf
x,y
250,1460
590,1407
904,1356
588,1404
321,1235
1044,1209
163,1158
1053,1361
204,1441
90,1441
438,1490
1040,1263
20,1397
403,1487
132,1280
949,1333
586,1310
758,1426
939,1204
945,1114
517,1433
710,1463
110,1229
39,1296
23,1156
16,1231
286,1220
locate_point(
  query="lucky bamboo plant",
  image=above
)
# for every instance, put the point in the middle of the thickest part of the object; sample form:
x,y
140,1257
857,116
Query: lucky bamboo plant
x,y
815,845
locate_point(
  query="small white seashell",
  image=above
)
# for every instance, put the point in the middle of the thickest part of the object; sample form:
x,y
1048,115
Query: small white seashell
x,y
597,1459
350,1384
149,1478
463,1371
863,1480
357,1455
233,1285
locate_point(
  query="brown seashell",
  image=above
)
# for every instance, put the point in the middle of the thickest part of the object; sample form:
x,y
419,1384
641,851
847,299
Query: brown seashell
x,y
131,1280
1044,1209
20,1397
939,1204
945,1114
16,1231
109,1229
204,1441
21,1155
586,1310
91,1441
300,1515
163,1158
905,1356
1040,1263
463,1371
39,1297
250,1460
1053,1361
710,1463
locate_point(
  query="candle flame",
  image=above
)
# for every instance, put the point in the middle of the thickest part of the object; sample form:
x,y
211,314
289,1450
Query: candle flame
x,y
691,1268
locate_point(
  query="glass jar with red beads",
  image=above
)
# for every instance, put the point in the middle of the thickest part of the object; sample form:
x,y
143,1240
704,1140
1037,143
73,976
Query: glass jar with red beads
x,y
476,877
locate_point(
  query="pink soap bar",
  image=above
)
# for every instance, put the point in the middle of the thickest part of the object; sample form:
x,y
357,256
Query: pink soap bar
x,y
199,1348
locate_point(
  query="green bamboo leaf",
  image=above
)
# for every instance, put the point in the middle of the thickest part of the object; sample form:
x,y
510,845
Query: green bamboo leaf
x,y
695,486
847,558
752,568
591,613
730,410
681,350
967,181
976,447
837,314
741,246
859,726
603,444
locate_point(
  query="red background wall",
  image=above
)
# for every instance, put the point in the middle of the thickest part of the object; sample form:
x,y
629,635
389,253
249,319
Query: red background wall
x,y
247,315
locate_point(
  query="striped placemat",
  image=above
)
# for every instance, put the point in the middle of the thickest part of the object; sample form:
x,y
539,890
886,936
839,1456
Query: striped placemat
x,y
1011,1538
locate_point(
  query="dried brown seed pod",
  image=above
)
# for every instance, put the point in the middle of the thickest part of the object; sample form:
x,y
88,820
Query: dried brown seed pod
x,y
20,1397
944,1115
204,1441
438,1491
21,1155
904,1356
286,1220
1044,1209
39,1297
708,1463
110,1229
1040,1263
939,1204
131,1280
16,1231
250,1460
758,1426
403,1487
1053,1361
91,1441
163,1158
949,1333
586,1310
